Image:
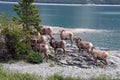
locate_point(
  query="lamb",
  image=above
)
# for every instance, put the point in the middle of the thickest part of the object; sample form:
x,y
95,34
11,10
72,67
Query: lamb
x,y
46,31
43,48
83,44
66,36
57,44
99,55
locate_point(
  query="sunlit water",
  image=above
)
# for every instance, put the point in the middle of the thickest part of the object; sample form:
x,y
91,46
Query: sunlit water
x,y
104,20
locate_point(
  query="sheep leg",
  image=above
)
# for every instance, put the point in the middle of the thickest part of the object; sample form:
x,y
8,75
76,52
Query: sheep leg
x,y
55,52
50,36
96,61
64,51
79,50
71,37
88,50
71,42
105,64
46,56
89,53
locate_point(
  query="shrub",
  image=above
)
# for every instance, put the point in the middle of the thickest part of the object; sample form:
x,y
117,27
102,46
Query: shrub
x,y
16,39
60,77
13,39
35,57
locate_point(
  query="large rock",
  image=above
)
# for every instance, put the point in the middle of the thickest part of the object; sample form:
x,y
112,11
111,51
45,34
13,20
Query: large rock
x,y
83,59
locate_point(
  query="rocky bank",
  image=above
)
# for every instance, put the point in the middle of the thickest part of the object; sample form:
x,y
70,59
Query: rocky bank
x,y
72,64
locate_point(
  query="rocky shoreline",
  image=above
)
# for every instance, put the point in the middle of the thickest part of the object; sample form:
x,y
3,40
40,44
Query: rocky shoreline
x,y
72,64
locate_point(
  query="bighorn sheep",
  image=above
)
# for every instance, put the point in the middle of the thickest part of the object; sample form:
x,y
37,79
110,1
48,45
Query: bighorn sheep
x,y
57,44
99,55
38,44
37,39
64,35
46,31
83,44
43,48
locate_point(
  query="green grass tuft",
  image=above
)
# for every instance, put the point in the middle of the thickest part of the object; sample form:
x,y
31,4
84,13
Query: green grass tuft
x,y
55,77
7,75
52,65
60,77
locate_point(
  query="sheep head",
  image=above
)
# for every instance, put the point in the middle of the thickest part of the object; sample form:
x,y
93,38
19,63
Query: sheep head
x,y
33,40
91,51
77,39
52,40
61,31
45,31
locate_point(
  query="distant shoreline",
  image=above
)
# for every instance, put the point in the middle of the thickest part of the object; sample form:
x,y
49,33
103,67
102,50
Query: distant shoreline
x,y
62,4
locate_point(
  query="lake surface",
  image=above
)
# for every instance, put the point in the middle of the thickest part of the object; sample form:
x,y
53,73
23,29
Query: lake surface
x,y
81,16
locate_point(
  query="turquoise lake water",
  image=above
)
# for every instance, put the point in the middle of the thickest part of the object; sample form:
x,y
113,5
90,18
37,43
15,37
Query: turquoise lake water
x,y
82,16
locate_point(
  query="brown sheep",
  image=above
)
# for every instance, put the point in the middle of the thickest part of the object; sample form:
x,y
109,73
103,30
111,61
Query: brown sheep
x,y
99,55
38,44
83,44
46,31
64,35
43,48
57,44
37,39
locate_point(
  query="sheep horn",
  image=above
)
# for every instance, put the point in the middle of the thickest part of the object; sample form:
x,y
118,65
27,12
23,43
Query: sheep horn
x,y
61,30
52,38
79,38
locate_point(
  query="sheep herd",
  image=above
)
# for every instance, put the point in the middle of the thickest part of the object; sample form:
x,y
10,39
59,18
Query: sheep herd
x,y
38,43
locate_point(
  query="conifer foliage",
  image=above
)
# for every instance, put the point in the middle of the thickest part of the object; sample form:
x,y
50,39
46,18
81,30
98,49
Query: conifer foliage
x,y
27,14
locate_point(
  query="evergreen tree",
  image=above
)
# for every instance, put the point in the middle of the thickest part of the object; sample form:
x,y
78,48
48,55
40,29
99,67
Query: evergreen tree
x,y
27,14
